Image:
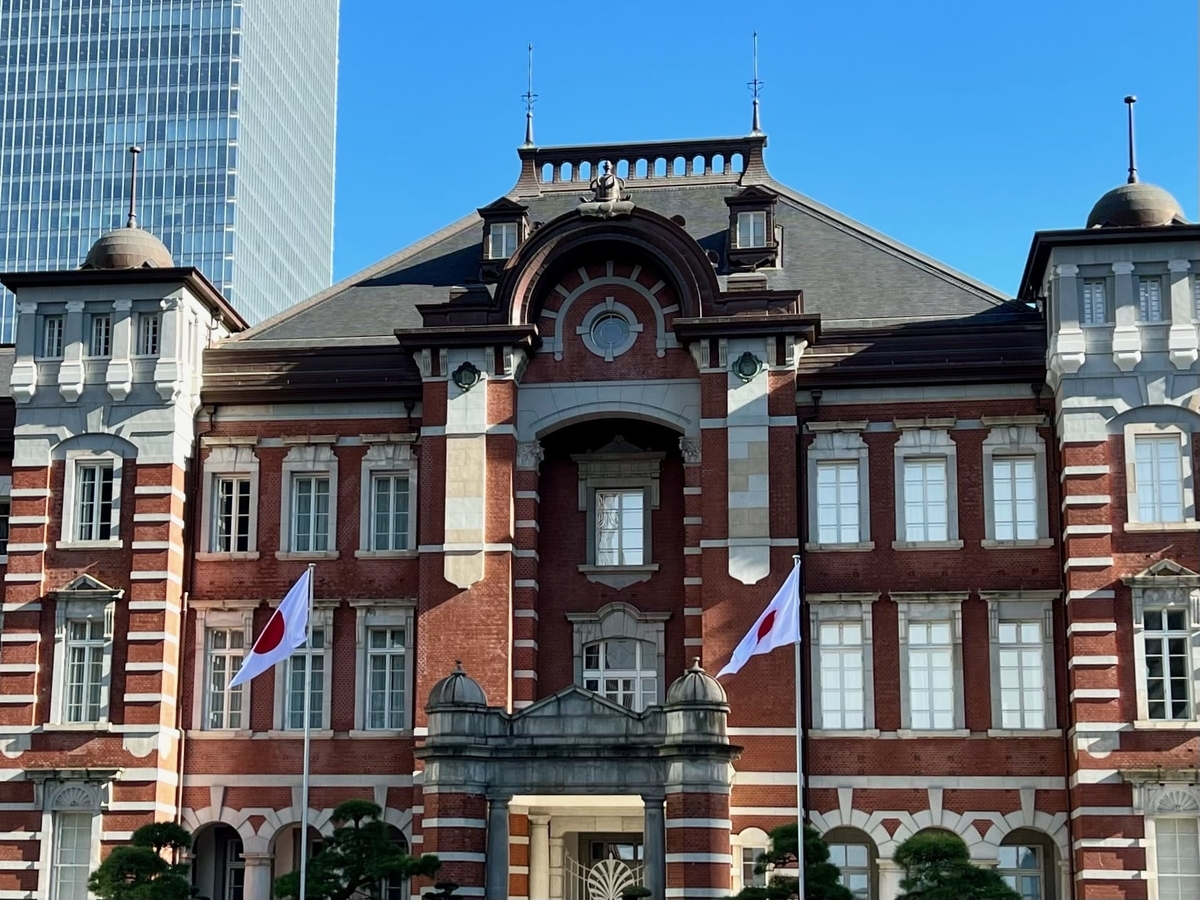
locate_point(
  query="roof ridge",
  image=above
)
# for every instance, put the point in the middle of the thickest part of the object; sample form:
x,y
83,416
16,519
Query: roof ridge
x,y
351,280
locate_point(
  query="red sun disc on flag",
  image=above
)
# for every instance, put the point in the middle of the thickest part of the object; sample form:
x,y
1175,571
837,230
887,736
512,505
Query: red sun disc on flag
x,y
764,629
271,635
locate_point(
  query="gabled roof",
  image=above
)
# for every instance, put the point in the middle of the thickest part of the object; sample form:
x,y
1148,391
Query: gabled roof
x,y
850,275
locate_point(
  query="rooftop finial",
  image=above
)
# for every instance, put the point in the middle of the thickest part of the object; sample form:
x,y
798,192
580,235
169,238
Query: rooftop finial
x,y
1129,101
755,86
131,222
529,98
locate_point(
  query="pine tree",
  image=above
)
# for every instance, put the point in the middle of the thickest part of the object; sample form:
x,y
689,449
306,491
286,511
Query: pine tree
x,y
937,866
820,875
140,871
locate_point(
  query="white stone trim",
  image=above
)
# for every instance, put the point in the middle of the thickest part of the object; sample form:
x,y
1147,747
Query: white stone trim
x,y
68,609
833,608
316,459
1131,432
228,460
382,614
386,457
219,615
322,617
833,446
1014,441
584,329
620,620
1027,606
1164,590
74,459
928,443
931,607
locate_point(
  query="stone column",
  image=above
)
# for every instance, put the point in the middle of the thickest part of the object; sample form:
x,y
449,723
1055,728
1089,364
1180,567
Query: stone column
x,y
654,847
890,874
557,851
539,857
1127,340
496,871
258,876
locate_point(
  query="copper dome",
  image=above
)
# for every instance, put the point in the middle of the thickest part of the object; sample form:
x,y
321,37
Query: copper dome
x,y
1136,205
128,248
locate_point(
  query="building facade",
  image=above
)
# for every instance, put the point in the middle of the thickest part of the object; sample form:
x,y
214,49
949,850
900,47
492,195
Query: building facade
x,y
550,464
233,105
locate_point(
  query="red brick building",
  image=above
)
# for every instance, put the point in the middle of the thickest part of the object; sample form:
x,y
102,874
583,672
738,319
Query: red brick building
x,y
573,441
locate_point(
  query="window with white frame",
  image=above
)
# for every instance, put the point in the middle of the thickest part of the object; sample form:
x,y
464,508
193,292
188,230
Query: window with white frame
x,y
1022,868
618,488
837,503
309,505
751,874
82,653
620,527
387,677
1167,639
926,501
395,888
842,681
624,671
52,337
1150,307
1022,667
93,491
854,868
149,329
225,648
389,512
1159,478
100,335
310,513
310,657
1177,855
86,648
1014,499
1095,302
502,240
231,499
71,861
926,488
1014,472
931,675
752,229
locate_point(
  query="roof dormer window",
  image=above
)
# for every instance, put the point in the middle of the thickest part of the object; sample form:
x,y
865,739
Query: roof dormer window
x,y
753,240
502,240
752,229
505,226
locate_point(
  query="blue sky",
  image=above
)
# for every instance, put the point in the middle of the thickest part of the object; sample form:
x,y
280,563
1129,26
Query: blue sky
x,y
956,128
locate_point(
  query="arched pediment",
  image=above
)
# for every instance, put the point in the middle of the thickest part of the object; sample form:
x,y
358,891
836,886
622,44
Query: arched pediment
x,y
532,272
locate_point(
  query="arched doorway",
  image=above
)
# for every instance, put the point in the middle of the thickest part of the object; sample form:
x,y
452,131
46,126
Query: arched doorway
x,y
286,848
218,864
1029,864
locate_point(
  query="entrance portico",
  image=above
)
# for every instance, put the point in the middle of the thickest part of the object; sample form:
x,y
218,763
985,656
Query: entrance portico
x,y
673,761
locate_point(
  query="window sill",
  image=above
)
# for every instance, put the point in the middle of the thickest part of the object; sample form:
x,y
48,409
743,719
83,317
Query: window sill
x,y
927,545
293,733
860,547
847,733
77,726
1017,545
908,734
222,557
1166,725
1190,525
219,734
1025,732
376,734
115,544
618,577
320,554
385,554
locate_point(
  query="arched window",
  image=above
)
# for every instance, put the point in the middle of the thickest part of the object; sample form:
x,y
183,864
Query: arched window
x,y
1026,864
854,853
623,670
395,888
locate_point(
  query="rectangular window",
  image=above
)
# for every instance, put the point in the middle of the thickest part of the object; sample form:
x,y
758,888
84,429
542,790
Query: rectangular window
x,y
385,678
1021,869
1168,663
854,865
1095,303
231,525
1014,499
1159,473
842,675
926,503
930,676
502,241
837,502
620,522
148,332
101,335
85,670
52,337
297,664
1022,675
752,229
1177,849
751,877
225,649
310,514
72,855
1150,300
389,512
93,501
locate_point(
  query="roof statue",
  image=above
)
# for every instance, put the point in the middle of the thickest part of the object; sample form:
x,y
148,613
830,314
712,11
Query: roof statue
x,y
608,196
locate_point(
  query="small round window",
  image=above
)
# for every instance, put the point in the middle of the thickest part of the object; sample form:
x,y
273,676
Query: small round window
x,y
609,329
610,332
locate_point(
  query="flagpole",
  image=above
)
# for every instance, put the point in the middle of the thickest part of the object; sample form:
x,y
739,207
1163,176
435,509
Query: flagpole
x,y
799,748
308,739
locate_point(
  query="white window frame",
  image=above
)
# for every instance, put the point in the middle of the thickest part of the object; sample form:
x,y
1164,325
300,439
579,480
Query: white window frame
x,y
826,609
144,325
1088,301
1172,794
75,459
839,442
870,866
1149,292
1133,521
322,618
927,607
371,614
752,217
919,442
504,231
219,614
229,460
615,621
385,456
44,336
98,348
644,668
747,839
1167,586
90,606
307,460
1022,606
59,821
1016,437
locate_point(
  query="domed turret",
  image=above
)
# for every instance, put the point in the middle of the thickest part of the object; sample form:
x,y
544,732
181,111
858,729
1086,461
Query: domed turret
x,y
1136,205
695,686
128,248
696,709
456,689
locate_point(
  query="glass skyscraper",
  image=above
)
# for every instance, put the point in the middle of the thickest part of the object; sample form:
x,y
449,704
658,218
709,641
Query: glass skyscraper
x,y
233,103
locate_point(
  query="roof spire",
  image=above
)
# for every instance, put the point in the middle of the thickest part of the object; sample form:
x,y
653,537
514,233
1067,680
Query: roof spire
x,y
529,97
131,222
1129,101
755,86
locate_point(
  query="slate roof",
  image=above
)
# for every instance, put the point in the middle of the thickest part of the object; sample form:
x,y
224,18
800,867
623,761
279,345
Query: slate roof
x,y
852,276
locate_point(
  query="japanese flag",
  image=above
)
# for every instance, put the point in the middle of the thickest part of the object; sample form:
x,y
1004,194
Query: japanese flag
x,y
778,625
285,633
